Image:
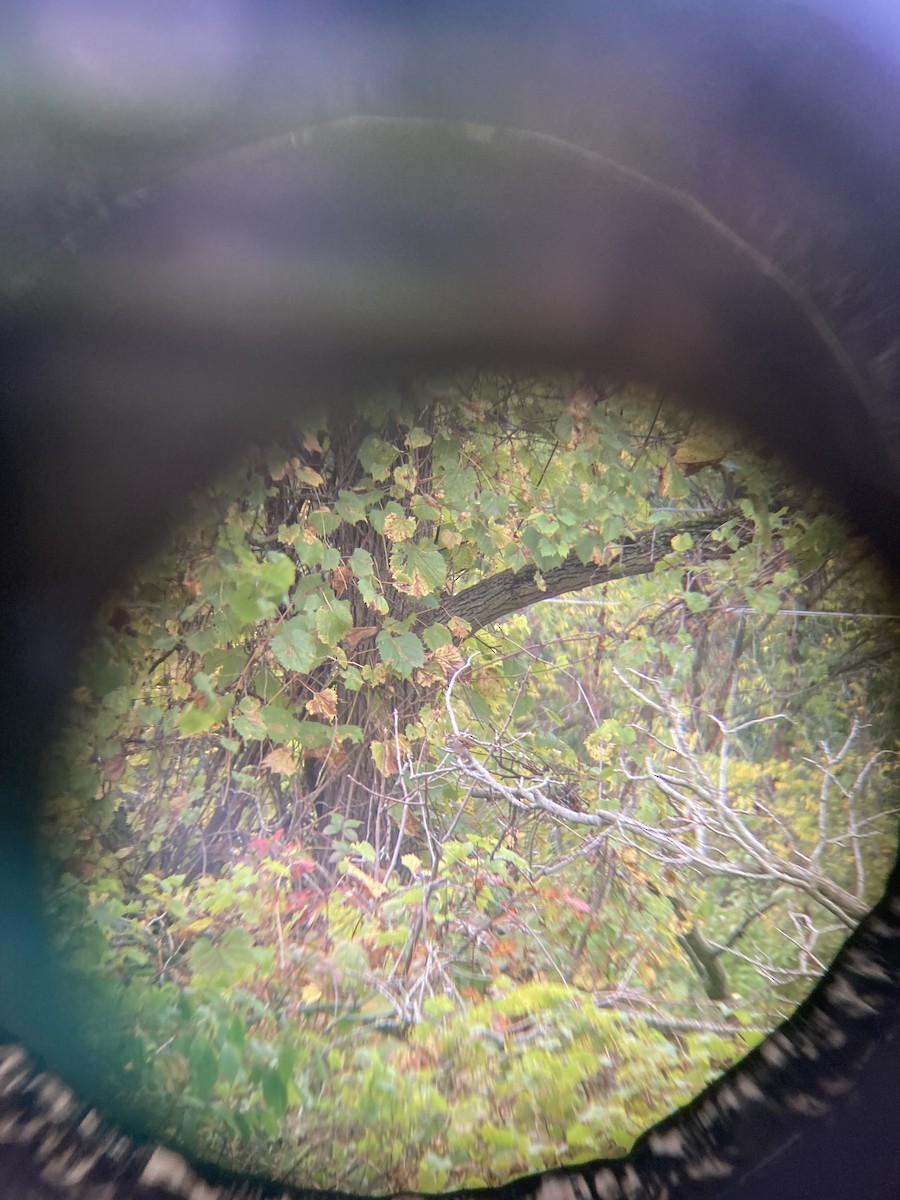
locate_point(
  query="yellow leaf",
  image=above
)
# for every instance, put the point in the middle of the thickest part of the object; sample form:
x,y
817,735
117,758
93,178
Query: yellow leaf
x,y
665,481
602,556
310,993
490,683
646,974
280,761
406,476
412,862
448,658
399,529
373,885
323,704
195,928
695,453
310,477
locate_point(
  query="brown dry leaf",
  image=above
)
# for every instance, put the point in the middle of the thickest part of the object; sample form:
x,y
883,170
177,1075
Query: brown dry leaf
x,y
581,404
114,768
323,704
458,628
82,695
340,579
335,757
286,468
311,444
665,481
280,761
418,587
358,634
448,658
385,756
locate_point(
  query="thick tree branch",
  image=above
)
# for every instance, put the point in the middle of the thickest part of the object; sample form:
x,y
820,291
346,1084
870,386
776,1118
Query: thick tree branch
x,y
507,592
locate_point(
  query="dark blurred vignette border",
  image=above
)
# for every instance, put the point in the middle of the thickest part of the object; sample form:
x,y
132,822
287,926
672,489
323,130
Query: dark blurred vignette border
x,y
214,212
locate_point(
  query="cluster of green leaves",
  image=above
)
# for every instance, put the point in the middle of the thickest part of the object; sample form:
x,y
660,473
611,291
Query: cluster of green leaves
x,y
284,1026
289,844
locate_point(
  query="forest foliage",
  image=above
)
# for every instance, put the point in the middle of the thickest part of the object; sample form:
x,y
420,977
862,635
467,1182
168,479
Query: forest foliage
x,y
469,781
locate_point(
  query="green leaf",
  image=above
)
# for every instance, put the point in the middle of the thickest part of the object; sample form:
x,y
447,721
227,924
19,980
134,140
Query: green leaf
x,y
295,648
313,735
697,602
324,522
274,1091
352,507
377,457
196,718
361,563
365,850
682,542
434,1172
250,605
276,576
232,959
257,721
229,1062
424,511
371,593
401,653
436,636
767,600
580,1137
417,438
204,1066
420,565
333,620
